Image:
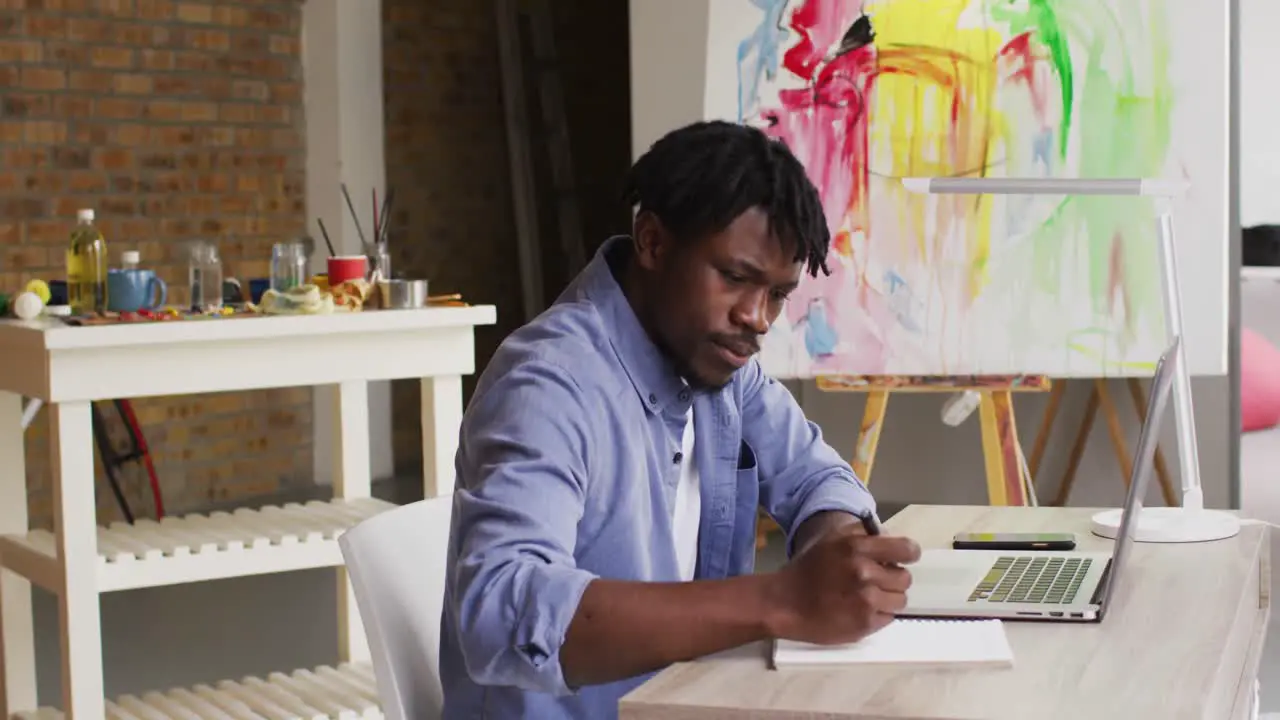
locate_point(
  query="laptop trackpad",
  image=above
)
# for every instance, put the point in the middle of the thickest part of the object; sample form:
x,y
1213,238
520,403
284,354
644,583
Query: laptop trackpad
x,y
947,575
950,576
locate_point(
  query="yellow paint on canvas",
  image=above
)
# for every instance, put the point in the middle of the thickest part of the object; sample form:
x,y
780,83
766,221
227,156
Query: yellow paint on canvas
x,y
934,63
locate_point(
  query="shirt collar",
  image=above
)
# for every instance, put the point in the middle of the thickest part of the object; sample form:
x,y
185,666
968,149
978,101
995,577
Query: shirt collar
x,y
652,374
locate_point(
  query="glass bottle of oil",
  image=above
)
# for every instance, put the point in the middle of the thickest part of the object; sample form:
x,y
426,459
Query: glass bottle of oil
x,y
87,267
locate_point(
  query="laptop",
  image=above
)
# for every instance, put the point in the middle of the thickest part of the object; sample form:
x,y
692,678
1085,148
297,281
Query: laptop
x,y
1045,586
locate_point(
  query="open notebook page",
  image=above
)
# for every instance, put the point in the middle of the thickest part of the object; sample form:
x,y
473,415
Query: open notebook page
x,y
909,642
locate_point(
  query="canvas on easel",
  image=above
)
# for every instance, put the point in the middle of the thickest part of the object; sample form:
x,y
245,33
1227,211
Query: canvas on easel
x,y
867,92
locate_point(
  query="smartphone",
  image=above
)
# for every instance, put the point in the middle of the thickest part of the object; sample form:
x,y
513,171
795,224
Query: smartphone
x,y
1014,541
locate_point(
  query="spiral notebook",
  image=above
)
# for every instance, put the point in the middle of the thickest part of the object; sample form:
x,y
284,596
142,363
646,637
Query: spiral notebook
x,y
980,643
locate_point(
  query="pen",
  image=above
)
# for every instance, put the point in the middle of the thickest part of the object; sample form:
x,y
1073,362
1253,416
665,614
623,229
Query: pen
x,y
870,524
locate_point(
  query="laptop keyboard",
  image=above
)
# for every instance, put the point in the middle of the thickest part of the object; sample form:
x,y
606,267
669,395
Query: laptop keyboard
x,y
1048,580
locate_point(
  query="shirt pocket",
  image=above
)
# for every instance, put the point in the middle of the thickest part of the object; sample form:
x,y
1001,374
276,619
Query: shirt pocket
x,y
746,511
747,490
746,458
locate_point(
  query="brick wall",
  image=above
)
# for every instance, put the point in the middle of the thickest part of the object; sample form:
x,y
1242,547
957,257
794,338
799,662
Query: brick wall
x,y
447,156
175,121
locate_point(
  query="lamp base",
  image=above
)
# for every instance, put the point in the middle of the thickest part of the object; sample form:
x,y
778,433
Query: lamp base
x,y
1170,525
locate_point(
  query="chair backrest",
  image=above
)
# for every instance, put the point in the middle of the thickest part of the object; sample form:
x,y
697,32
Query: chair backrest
x,y
396,561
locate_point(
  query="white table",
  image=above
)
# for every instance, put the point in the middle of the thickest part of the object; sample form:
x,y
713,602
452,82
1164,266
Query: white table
x,y
70,367
1184,640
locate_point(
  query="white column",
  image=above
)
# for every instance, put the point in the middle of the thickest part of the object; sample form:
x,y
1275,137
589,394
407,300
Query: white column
x,y
342,97
668,41
17,635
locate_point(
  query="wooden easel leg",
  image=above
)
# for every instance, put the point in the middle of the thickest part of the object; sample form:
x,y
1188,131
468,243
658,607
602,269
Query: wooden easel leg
x,y
864,452
1006,484
1114,429
1046,427
1162,470
1077,448
764,524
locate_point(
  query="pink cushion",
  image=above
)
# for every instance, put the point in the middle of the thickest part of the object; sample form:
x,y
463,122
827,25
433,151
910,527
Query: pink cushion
x,y
1259,382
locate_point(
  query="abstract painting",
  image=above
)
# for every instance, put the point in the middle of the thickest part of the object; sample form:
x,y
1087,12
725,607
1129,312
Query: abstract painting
x,y
867,92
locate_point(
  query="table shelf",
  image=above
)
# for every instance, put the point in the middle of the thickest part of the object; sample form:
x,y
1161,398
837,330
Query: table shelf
x,y
199,547
345,692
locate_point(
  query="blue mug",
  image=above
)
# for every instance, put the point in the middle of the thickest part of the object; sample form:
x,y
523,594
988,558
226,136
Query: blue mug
x,y
135,289
57,292
257,288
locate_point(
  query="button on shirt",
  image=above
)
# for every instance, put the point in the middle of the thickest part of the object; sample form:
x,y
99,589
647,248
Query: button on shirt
x,y
565,473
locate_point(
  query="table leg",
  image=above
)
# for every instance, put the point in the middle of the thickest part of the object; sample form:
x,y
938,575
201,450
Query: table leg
x,y
351,479
441,419
1006,483
76,525
17,634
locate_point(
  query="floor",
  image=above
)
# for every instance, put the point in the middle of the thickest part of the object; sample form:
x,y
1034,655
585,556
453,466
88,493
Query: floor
x,y
183,635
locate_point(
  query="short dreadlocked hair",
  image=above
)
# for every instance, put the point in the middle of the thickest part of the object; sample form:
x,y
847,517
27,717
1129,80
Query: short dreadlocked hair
x,y
699,178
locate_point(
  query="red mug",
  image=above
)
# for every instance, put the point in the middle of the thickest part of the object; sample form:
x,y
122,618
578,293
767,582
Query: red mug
x,y
349,267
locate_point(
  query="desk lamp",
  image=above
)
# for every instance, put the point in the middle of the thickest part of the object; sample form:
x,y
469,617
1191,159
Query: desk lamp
x,y
1191,522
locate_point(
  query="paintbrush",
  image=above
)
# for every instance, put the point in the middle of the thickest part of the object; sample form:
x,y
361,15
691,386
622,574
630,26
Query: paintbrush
x,y
351,206
327,241
385,214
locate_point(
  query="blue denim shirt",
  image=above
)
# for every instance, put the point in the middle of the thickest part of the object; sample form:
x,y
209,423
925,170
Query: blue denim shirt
x,y
566,473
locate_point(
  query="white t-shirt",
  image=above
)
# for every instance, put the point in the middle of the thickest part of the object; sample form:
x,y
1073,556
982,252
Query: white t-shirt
x,y
688,510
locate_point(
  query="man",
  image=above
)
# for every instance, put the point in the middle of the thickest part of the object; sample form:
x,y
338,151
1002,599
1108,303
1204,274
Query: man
x,y
617,447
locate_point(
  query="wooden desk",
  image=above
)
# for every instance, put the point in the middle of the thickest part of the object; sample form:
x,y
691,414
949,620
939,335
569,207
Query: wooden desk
x,y
1154,656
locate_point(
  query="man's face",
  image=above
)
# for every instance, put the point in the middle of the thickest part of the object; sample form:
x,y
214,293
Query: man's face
x,y
712,299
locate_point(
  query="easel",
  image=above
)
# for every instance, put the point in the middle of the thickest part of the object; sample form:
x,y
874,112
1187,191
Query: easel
x,y
1099,399
1007,482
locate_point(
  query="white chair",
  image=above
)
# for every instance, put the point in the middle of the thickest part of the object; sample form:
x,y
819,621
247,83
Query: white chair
x,y
396,561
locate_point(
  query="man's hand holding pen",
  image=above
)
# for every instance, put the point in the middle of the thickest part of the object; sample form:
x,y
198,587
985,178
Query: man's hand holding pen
x,y
845,585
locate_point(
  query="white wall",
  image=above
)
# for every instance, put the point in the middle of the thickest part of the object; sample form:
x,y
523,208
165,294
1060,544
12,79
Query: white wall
x,y
1259,113
658,104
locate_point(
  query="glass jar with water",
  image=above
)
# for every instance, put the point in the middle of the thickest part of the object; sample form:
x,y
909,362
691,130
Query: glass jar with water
x,y
204,274
288,266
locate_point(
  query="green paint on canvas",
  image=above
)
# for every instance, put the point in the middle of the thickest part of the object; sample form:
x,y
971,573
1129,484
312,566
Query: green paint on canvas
x,y
1040,18
1122,110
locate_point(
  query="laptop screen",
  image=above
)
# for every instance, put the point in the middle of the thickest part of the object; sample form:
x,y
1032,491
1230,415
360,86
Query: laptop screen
x,y
1143,463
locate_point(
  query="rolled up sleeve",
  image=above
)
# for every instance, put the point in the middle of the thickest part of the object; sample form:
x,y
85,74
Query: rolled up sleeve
x,y
800,474
522,480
